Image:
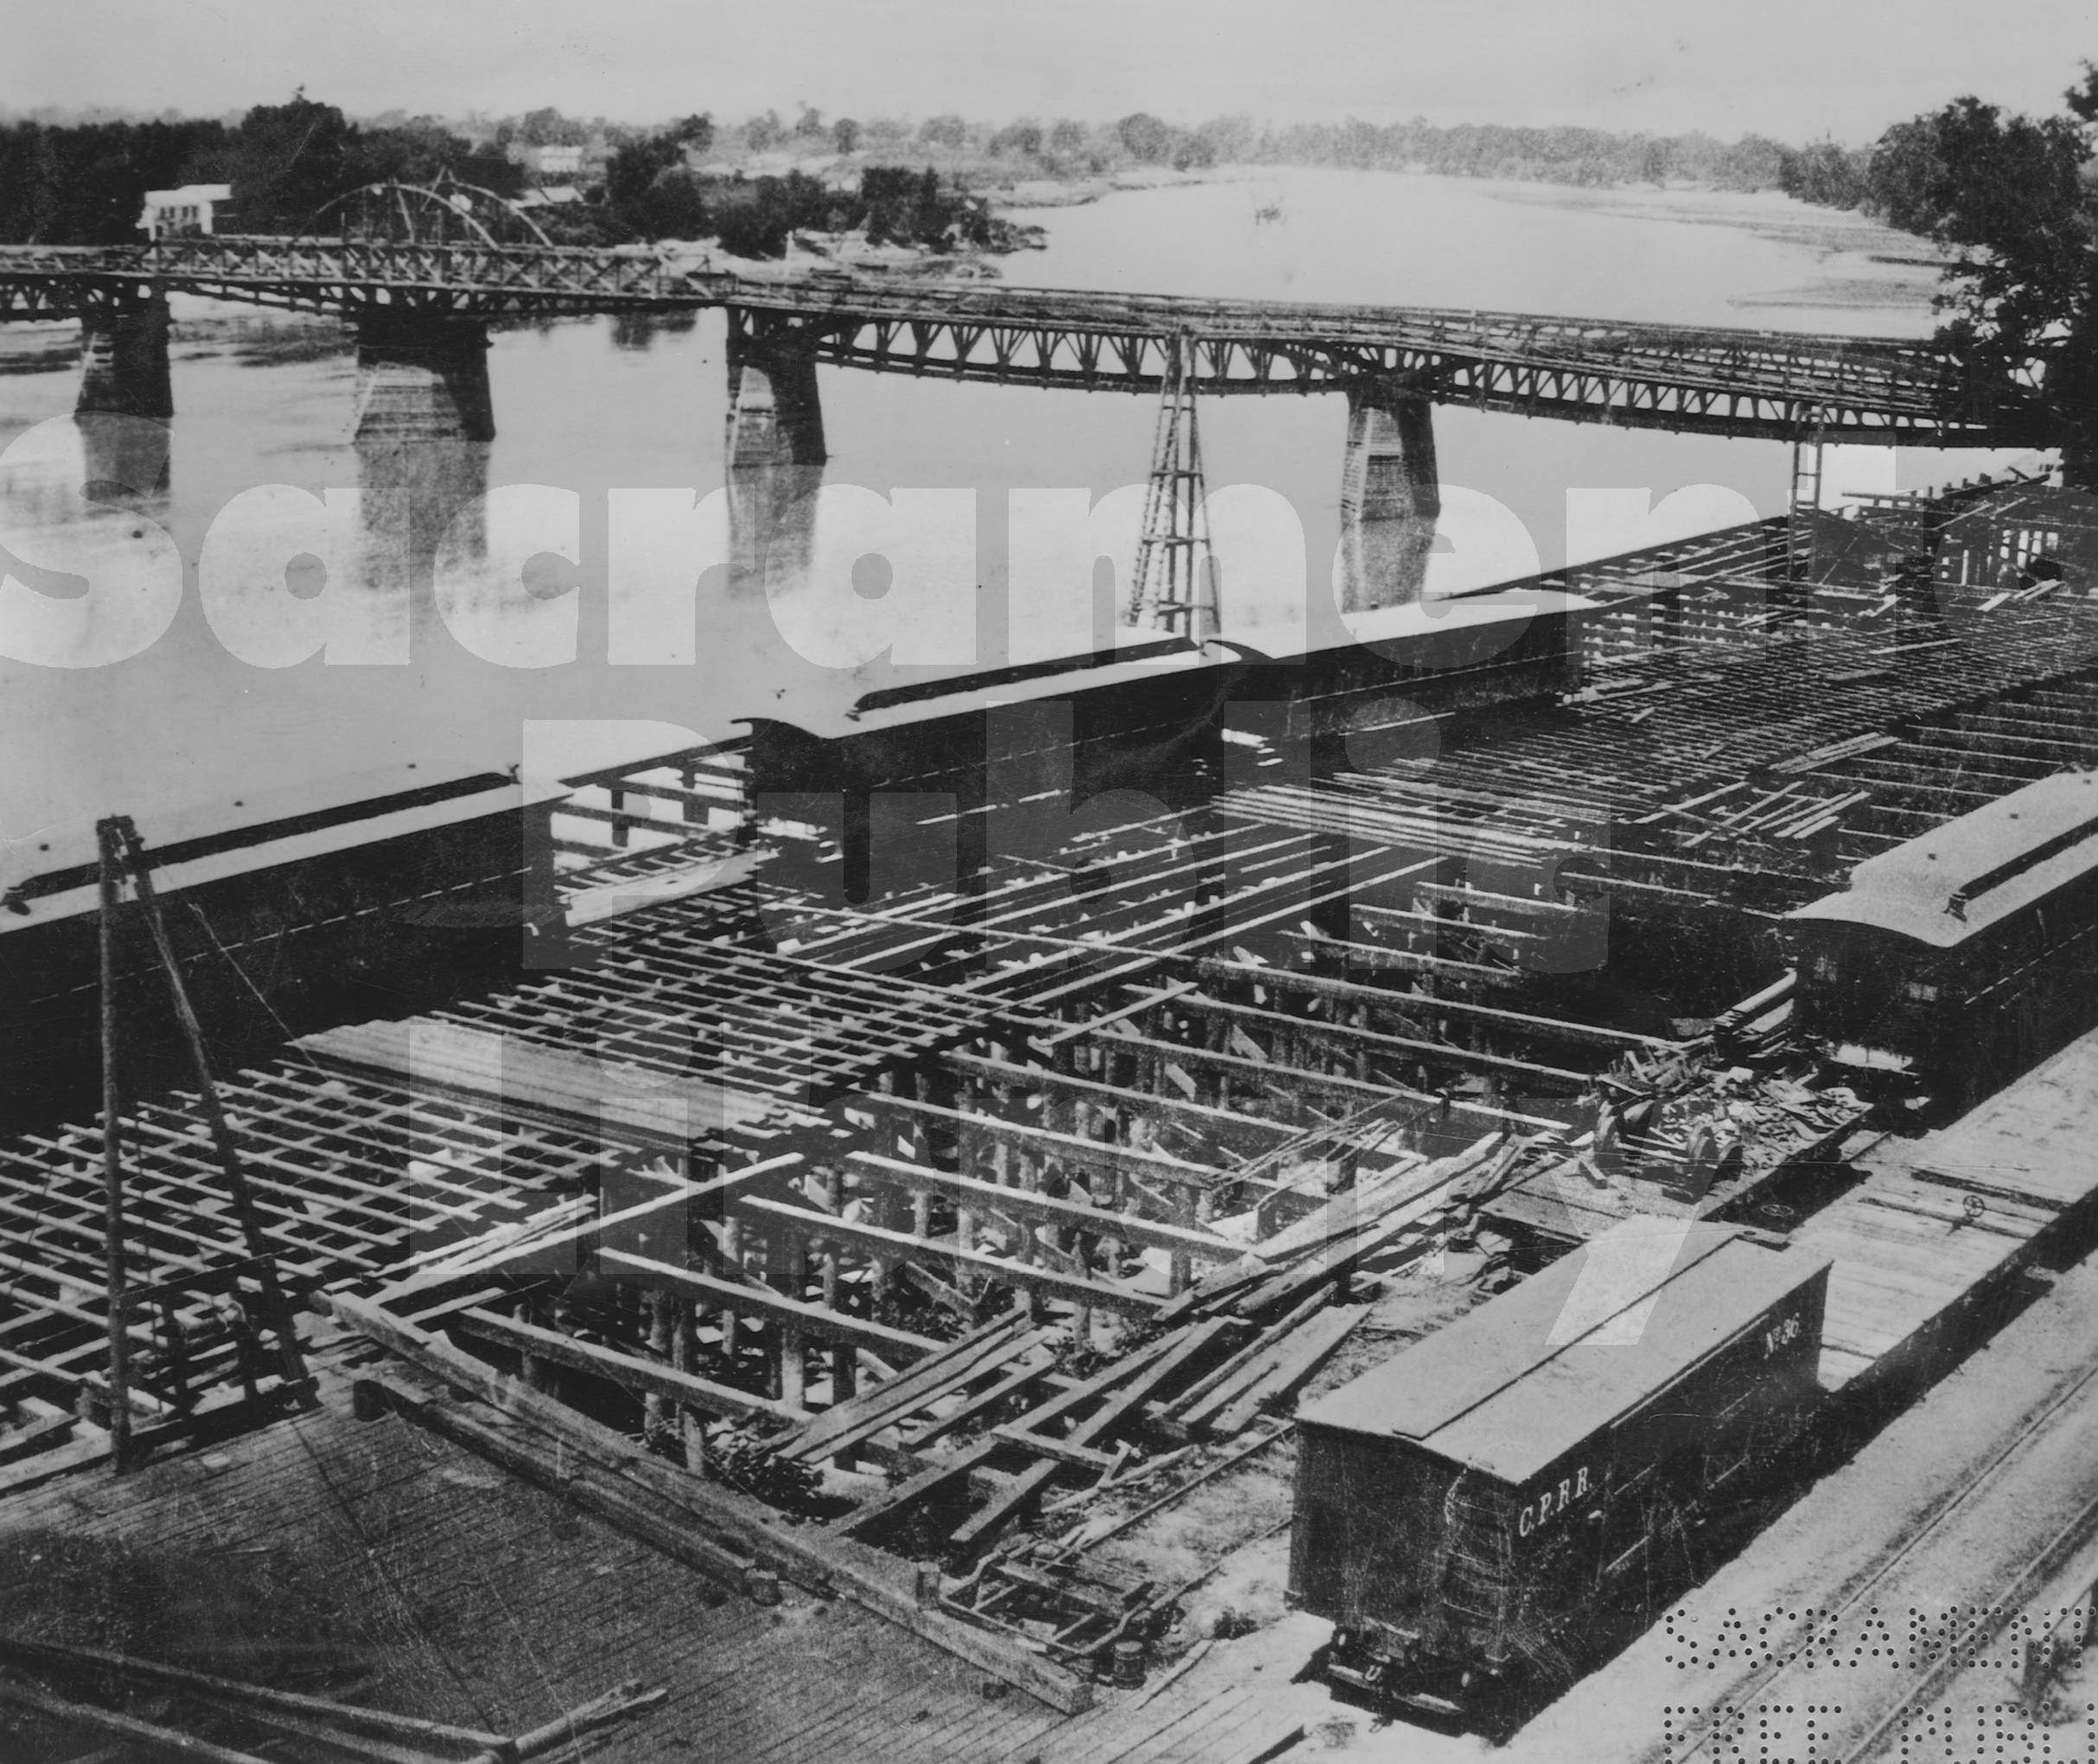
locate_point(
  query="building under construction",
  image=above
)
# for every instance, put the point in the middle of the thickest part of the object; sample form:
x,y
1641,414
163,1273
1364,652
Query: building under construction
x,y
941,1150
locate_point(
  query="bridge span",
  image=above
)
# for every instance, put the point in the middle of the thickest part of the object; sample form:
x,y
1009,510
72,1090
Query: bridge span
x,y
438,297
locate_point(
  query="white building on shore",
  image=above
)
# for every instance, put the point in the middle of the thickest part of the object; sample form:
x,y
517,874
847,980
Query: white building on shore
x,y
180,214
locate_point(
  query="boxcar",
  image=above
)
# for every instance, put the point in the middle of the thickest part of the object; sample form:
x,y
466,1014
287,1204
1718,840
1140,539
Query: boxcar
x,y
1967,953
1469,1513
376,893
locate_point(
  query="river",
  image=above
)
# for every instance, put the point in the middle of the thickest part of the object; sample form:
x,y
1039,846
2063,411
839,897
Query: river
x,y
594,405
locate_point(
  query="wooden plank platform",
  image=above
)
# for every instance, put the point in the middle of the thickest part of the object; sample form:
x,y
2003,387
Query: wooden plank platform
x,y
1942,1221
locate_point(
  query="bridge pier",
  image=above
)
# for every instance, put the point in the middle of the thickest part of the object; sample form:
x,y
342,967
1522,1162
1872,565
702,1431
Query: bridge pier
x,y
423,378
1390,468
775,417
124,360
1390,498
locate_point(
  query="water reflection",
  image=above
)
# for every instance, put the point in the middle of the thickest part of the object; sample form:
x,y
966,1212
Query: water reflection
x,y
772,528
416,493
639,330
1384,562
122,457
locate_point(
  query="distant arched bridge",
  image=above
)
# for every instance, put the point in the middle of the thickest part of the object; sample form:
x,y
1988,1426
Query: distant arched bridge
x,y
1772,384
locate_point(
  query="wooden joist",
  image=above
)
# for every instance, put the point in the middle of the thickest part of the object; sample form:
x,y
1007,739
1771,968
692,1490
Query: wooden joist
x,y
1026,1203
539,1082
1071,1287
1066,1147
569,1248
818,1321
845,1424
622,1369
1124,1388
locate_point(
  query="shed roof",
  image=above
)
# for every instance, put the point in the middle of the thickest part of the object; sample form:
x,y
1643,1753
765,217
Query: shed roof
x,y
1947,885
1523,1380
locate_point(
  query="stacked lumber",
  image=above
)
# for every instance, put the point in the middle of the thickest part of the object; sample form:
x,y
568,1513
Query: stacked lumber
x,y
1271,1370
1004,1351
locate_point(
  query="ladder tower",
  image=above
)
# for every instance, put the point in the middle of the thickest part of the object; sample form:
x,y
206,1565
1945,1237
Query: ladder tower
x,y
1174,587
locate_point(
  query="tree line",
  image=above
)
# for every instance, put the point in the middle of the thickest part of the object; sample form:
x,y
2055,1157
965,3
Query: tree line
x,y
2014,202
87,184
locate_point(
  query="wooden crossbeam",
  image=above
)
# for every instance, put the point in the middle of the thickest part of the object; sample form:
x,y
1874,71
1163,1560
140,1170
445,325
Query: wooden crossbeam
x,y
1199,1117
1102,1294
1347,1036
816,1320
1026,1203
1302,1082
1067,1148
580,1239
1387,998
622,1369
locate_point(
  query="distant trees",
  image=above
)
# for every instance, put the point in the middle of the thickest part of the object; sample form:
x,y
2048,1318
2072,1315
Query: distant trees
x,y
1021,137
1144,138
844,135
546,127
944,132
87,185
1833,176
762,134
1556,155
695,133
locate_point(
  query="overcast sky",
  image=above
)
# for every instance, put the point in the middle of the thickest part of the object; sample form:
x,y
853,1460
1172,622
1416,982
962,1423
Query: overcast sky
x,y
1792,68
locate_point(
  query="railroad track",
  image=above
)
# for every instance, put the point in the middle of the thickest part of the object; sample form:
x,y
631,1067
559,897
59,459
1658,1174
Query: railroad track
x,y
1959,1649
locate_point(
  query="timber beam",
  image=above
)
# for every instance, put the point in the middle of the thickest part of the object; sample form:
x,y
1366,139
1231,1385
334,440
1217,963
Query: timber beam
x,y
816,1320
1419,1004
1066,1147
1072,1288
1346,1035
1029,1203
1297,1083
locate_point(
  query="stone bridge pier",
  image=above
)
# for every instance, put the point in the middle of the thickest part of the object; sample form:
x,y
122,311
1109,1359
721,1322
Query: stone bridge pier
x,y
1390,496
1389,474
775,417
422,378
124,359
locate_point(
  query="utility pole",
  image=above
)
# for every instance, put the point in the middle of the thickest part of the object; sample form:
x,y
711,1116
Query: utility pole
x,y
276,1312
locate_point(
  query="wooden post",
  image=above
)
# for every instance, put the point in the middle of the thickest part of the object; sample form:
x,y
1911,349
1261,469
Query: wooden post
x,y
656,1410
113,1170
1182,1266
731,1253
278,1313
536,1373
683,1354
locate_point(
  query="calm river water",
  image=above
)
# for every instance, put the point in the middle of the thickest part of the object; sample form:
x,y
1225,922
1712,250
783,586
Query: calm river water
x,y
594,406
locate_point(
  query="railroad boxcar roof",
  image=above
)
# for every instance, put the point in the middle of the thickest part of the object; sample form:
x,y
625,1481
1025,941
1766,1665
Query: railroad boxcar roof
x,y
1518,1383
1143,658
54,873
1947,885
